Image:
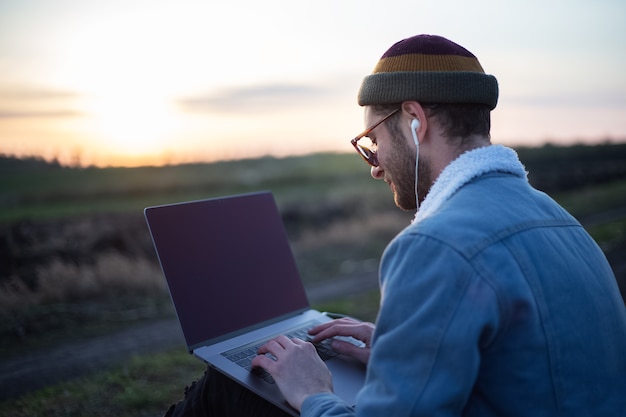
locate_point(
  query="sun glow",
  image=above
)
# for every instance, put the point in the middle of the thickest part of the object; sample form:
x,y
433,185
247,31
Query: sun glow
x,y
130,82
132,124
127,86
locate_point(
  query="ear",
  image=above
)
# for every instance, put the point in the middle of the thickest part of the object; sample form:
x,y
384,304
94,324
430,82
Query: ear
x,y
412,110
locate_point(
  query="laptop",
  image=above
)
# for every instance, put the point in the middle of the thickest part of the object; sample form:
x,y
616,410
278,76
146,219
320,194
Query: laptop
x,y
234,284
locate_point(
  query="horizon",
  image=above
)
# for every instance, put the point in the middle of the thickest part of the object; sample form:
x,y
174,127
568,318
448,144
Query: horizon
x,y
77,165
136,83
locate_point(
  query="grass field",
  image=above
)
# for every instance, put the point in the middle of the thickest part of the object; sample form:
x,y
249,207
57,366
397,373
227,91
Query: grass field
x,y
144,385
75,257
50,191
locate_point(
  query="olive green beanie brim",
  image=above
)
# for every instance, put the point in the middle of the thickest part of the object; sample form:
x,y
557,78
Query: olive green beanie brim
x,y
429,87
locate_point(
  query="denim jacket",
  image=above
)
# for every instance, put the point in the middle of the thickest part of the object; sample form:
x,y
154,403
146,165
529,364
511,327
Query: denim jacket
x,y
494,302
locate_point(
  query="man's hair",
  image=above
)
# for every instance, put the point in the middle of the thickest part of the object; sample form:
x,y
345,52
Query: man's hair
x,y
457,121
462,120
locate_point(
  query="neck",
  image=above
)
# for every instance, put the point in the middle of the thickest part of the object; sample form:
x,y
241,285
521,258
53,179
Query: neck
x,y
470,142
444,151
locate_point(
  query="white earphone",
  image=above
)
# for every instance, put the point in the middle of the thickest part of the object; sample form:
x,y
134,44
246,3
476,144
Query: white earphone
x,y
415,124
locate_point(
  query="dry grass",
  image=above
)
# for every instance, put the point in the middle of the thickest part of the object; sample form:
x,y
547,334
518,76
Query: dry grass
x,y
346,246
111,275
353,231
88,273
336,248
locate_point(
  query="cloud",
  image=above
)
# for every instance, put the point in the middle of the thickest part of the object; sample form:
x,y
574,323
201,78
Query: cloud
x,y
29,94
21,114
19,103
268,97
597,99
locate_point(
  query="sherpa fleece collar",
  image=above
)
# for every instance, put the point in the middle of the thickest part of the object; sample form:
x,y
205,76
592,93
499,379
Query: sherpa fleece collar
x,y
469,165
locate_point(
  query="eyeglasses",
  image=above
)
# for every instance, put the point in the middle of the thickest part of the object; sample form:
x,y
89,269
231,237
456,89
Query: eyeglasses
x,y
367,154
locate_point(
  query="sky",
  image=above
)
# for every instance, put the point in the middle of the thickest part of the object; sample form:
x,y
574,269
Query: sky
x,y
138,82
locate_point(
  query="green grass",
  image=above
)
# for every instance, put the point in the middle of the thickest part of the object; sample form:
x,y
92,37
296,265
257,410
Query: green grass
x,y
43,326
312,184
58,192
142,386
609,235
361,306
593,199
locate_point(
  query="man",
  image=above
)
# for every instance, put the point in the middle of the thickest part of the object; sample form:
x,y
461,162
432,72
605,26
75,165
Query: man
x,y
494,301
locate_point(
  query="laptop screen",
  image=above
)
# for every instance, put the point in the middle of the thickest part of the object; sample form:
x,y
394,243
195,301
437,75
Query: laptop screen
x,y
228,264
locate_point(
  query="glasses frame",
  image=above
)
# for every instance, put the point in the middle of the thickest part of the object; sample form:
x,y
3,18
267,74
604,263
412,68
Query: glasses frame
x,y
366,153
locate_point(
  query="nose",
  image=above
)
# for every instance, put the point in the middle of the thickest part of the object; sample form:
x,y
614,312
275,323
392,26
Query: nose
x,y
377,173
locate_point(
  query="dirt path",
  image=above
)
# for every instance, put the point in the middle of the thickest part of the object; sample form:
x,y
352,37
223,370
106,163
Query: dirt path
x,y
34,370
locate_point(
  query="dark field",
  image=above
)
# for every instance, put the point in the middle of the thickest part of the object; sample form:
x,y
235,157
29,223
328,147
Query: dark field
x,y
71,236
76,259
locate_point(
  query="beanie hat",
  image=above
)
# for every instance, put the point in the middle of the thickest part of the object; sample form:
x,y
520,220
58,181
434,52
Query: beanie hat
x,y
428,69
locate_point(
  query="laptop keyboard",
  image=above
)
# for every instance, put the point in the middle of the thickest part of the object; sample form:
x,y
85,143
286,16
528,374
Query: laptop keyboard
x,y
243,355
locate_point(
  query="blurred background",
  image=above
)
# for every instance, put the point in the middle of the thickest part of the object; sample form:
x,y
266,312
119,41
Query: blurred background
x,y
109,107
135,82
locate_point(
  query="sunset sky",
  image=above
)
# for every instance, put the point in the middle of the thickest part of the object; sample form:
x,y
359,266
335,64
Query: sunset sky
x,y
133,82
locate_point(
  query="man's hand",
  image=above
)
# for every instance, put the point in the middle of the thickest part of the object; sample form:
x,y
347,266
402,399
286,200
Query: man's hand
x,y
296,367
346,327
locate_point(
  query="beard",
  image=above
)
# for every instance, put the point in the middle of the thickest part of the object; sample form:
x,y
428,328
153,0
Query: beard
x,y
401,169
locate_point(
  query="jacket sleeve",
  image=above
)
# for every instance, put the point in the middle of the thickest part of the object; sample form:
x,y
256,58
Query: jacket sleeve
x,y
327,405
436,315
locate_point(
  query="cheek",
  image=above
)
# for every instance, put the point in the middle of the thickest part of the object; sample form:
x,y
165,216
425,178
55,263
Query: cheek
x,y
387,152
399,157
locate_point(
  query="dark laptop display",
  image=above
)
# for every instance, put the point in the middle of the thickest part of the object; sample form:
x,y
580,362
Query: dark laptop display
x,y
238,257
